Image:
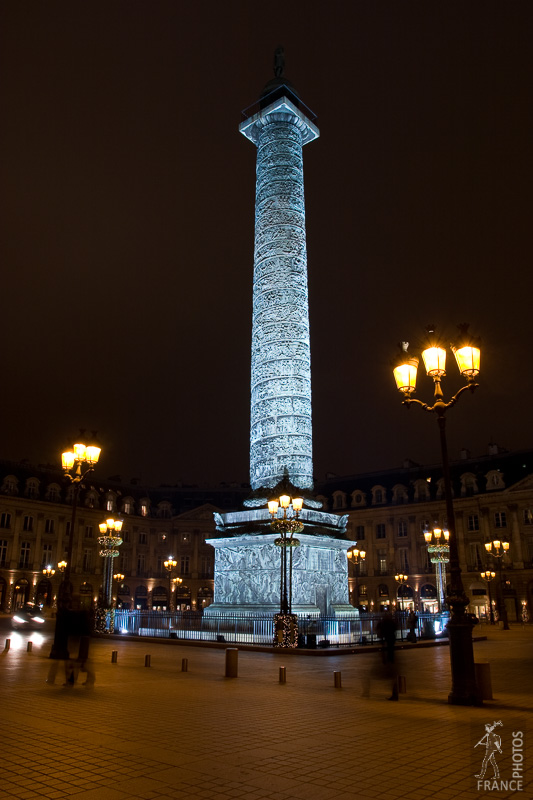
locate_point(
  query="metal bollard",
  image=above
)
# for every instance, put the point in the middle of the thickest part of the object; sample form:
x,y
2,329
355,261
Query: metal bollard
x,y
147,660
337,681
8,644
283,674
184,664
114,656
232,662
29,647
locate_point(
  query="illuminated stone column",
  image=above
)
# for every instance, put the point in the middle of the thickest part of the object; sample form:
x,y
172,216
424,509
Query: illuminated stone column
x,y
280,424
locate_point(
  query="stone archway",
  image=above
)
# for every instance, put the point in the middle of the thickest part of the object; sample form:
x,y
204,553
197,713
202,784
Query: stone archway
x,y
141,598
44,593
21,593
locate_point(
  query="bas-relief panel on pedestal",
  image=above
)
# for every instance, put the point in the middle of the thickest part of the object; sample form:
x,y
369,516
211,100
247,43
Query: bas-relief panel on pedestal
x,y
249,574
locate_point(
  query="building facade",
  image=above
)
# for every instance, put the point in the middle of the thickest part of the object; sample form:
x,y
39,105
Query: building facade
x,y
387,515
390,511
35,522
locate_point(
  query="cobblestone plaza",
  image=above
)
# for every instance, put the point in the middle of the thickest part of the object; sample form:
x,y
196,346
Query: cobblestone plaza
x,y
159,733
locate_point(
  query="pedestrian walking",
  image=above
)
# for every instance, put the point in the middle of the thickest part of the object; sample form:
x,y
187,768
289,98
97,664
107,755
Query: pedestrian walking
x,y
386,629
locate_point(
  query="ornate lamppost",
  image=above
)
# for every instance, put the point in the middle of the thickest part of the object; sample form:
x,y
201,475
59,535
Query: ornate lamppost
x,y
118,577
437,542
286,623
401,580
72,461
459,627
356,557
489,576
176,582
109,541
170,564
498,549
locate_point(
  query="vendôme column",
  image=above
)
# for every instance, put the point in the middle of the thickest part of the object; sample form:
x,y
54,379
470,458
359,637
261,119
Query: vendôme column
x,y
280,427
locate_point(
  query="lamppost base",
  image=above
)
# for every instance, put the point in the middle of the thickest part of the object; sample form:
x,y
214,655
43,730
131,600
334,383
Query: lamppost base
x,y
285,630
464,690
104,620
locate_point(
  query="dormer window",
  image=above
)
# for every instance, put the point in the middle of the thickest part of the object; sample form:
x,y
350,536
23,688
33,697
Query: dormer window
x,y
9,485
495,480
144,508
128,506
378,495
32,488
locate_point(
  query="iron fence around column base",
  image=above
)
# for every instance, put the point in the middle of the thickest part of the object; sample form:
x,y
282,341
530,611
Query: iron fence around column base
x,y
259,629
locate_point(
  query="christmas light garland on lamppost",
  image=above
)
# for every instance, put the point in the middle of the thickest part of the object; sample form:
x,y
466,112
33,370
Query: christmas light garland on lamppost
x,y
286,623
109,541
437,542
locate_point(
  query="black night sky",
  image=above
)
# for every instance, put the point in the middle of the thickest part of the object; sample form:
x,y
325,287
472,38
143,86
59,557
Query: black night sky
x,y
127,213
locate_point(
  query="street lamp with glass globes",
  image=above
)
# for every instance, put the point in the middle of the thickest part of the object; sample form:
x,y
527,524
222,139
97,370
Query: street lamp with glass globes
x,y
489,576
77,463
286,623
467,355
177,582
356,557
118,577
170,564
498,550
401,580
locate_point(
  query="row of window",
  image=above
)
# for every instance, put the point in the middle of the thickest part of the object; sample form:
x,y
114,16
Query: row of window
x,y
124,561
499,518
400,493
91,500
50,527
